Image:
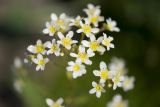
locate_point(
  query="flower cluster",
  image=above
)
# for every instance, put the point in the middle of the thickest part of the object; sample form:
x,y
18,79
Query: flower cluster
x,y
82,38
115,75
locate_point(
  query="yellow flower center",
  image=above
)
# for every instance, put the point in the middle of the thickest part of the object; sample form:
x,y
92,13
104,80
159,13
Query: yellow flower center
x,y
86,28
117,78
76,67
94,45
60,22
55,105
52,29
41,62
104,74
109,26
98,87
39,48
119,104
82,56
94,19
66,41
54,48
106,42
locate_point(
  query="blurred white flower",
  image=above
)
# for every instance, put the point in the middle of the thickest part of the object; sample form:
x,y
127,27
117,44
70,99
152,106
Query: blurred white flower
x,y
57,103
76,21
92,10
38,48
107,41
18,85
51,28
87,29
128,83
83,56
66,41
103,73
97,88
53,47
62,21
112,25
17,62
94,45
77,68
40,61
117,102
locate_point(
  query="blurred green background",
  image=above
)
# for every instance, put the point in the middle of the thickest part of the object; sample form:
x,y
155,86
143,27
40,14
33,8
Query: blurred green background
x,y
21,24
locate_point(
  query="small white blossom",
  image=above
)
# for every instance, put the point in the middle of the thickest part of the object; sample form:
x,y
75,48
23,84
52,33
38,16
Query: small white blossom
x,y
112,25
53,47
103,73
92,10
17,62
95,19
77,68
66,41
76,21
83,56
107,41
57,103
97,88
38,48
87,29
50,29
94,45
128,83
40,61
118,102
62,21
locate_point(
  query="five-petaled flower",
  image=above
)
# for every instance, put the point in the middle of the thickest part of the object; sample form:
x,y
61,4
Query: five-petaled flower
x,y
66,41
97,88
77,68
57,103
107,41
112,25
51,28
83,56
104,73
128,83
40,61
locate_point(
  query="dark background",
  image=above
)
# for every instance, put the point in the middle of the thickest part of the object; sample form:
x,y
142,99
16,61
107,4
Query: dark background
x,y
21,23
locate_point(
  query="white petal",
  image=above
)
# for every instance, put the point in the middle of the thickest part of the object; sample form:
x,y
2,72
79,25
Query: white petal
x,y
103,65
49,102
70,34
95,30
90,53
93,38
60,35
94,84
54,17
81,49
73,55
96,73
98,94
88,62
68,47
39,56
71,63
38,68
31,49
39,42
101,49
85,43
79,30
60,101
100,39
74,41
46,31
92,91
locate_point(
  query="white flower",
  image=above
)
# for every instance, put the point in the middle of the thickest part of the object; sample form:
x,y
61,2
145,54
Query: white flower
x,y
76,21
92,10
51,103
53,47
112,25
128,83
94,45
40,61
95,19
117,79
107,41
98,89
50,29
17,62
38,48
62,21
83,56
66,41
87,29
104,74
18,85
77,68
118,102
